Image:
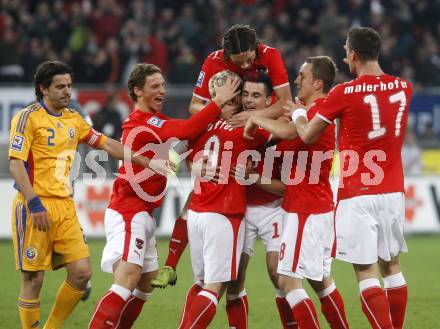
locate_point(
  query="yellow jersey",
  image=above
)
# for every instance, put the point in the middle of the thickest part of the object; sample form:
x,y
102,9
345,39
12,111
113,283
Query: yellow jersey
x,y
47,143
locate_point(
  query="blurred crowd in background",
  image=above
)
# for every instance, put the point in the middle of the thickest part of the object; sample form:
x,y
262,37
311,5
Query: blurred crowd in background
x,y
102,39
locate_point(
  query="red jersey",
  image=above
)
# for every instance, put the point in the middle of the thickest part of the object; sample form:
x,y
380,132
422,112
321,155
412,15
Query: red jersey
x,y
142,129
255,195
224,142
312,194
268,60
373,112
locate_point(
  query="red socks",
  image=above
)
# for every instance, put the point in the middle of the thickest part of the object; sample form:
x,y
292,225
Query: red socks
x,y
237,309
178,242
285,312
202,310
190,296
397,294
375,304
332,306
132,309
303,309
108,310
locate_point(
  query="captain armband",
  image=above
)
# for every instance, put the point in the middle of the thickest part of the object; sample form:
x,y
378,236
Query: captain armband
x,y
93,138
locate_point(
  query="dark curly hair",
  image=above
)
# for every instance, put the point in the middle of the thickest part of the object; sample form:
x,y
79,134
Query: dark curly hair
x,y
239,39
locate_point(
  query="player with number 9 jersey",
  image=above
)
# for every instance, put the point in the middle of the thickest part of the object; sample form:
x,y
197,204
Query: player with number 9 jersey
x,y
226,144
215,217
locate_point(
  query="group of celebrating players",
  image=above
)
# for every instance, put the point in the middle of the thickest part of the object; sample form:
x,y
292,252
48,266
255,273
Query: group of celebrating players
x,y
241,103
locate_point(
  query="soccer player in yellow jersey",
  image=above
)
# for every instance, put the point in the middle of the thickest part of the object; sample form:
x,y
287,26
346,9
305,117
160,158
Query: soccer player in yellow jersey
x,y
45,228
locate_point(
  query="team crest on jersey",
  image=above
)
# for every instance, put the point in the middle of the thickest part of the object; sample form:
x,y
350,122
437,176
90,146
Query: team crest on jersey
x,y
155,121
139,243
200,79
59,125
31,253
71,136
17,143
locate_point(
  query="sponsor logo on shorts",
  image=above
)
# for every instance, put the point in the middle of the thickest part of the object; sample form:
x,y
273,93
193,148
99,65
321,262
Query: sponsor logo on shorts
x,y
17,143
31,253
139,243
35,324
200,79
155,121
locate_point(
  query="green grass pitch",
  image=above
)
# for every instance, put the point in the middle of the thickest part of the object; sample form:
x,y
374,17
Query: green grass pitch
x,y
421,268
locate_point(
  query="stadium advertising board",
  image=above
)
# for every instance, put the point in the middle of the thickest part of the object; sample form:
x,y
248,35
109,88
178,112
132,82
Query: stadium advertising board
x,y
422,205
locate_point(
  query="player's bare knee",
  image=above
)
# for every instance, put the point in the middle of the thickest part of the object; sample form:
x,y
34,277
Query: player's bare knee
x,y
144,283
317,285
81,275
288,283
127,275
365,271
32,282
218,288
283,283
389,267
233,287
321,285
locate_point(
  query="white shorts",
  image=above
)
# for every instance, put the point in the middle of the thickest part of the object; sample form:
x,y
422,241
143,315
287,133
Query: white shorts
x,y
131,239
265,221
306,245
215,243
369,227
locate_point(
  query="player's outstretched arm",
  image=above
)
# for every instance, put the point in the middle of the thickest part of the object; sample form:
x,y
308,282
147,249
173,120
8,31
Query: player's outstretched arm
x,y
196,105
272,112
274,186
309,132
119,151
279,129
39,216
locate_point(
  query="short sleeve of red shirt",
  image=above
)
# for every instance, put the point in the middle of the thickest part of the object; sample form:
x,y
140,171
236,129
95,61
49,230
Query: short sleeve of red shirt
x,y
276,68
209,68
333,106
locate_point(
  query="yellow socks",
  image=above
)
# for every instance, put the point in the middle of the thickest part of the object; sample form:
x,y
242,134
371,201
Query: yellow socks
x,y
66,300
29,310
